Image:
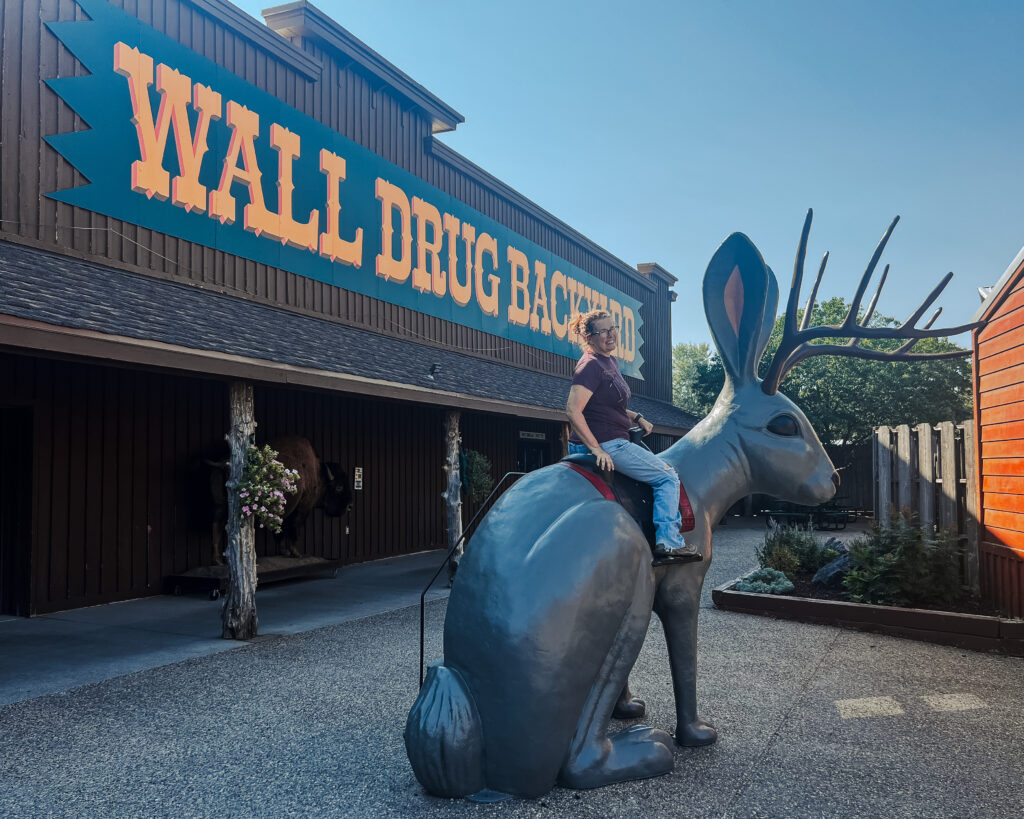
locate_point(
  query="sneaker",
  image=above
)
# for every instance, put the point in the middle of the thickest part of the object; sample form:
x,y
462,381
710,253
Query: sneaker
x,y
680,554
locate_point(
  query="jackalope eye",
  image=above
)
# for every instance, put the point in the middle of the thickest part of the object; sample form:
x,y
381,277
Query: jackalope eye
x,y
784,425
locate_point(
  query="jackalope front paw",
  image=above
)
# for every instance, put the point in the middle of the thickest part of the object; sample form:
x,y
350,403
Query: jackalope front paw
x,y
633,708
696,733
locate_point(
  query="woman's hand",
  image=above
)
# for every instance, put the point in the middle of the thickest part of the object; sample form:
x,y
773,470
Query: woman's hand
x,y
604,460
646,426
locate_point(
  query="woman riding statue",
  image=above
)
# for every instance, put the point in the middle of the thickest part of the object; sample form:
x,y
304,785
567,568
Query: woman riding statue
x,y
600,419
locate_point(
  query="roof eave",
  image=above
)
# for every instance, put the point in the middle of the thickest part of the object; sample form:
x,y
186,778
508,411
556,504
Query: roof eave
x,y
303,19
996,294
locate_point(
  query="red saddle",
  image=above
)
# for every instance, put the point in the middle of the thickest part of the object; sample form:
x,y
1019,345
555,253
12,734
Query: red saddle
x,y
636,497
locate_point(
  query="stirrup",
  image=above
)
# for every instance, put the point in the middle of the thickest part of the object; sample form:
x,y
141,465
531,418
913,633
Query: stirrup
x,y
684,554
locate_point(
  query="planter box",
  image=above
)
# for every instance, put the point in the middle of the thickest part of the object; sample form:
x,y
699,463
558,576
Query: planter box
x,y
970,631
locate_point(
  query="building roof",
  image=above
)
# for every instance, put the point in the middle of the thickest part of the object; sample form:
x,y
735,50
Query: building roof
x,y
303,19
64,305
995,293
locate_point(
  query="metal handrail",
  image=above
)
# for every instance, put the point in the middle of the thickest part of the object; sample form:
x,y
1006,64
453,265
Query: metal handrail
x,y
448,557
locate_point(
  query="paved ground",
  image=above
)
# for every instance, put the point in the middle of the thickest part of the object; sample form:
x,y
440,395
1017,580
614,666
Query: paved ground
x,y
813,721
56,652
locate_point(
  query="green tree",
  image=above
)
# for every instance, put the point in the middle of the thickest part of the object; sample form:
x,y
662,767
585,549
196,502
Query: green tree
x,y
846,398
697,376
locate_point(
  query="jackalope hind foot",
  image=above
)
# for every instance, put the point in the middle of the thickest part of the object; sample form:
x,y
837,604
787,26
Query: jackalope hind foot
x,y
696,733
639,752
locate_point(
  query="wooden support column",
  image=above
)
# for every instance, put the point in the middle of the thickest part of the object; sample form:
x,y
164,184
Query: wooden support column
x,y
239,613
453,490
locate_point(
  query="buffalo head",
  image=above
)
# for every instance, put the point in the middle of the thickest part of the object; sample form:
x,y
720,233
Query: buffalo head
x,y
337,497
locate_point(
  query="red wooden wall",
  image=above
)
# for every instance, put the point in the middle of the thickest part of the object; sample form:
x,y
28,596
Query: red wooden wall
x,y
999,403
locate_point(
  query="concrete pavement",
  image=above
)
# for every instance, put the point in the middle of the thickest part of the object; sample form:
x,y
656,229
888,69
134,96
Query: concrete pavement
x,y
56,652
813,721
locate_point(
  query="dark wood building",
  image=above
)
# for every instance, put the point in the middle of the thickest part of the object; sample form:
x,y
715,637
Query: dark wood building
x,y
190,197
999,419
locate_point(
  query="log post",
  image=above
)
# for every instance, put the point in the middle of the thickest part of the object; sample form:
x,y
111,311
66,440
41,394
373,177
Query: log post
x,y
453,491
239,613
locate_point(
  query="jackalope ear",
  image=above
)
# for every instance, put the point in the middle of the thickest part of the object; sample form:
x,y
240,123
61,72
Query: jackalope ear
x,y
771,307
740,299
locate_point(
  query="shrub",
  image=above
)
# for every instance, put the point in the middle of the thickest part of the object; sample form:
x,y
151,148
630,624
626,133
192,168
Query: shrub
x,y
793,549
781,559
765,581
478,479
902,566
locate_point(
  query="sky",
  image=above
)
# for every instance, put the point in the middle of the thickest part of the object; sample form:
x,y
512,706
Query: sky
x,y
656,129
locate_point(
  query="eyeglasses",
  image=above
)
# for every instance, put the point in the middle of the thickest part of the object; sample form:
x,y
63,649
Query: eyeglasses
x,y
608,331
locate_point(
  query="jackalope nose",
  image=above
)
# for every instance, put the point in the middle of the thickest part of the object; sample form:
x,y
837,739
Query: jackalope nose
x,y
836,479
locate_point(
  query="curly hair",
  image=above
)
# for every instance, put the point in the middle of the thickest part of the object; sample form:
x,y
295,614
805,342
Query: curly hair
x,y
582,324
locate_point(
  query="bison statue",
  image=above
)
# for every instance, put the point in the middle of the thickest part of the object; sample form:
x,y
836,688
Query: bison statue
x,y
320,484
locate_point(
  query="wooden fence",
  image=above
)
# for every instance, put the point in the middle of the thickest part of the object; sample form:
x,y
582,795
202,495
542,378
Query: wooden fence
x,y
930,470
857,481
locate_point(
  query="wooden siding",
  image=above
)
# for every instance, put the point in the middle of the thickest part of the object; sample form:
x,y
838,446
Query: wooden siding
x,y
15,507
999,403
111,452
119,496
497,437
343,99
400,448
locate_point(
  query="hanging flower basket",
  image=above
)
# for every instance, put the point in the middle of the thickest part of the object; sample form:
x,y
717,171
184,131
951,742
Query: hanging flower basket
x,y
263,489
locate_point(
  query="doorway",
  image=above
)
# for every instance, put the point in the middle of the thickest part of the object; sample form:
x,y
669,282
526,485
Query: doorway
x,y
15,508
533,452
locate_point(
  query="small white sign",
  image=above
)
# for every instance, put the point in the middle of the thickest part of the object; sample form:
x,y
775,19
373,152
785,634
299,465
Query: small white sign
x,y
357,478
533,436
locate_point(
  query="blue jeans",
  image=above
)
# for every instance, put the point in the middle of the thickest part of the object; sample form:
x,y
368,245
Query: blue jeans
x,y
643,465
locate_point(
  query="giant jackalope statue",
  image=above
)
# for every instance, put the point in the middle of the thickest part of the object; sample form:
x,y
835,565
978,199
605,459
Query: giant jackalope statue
x,y
554,595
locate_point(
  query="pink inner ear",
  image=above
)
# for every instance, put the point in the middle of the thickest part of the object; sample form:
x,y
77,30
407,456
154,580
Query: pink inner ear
x,y
733,298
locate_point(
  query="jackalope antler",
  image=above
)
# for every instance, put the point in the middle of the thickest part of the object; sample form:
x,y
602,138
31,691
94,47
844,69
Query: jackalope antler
x,y
796,343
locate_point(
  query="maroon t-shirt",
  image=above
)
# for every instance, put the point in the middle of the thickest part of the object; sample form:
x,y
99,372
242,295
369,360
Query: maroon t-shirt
x,y
605,412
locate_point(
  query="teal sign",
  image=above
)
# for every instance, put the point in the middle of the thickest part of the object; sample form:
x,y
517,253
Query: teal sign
x,y
180,145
